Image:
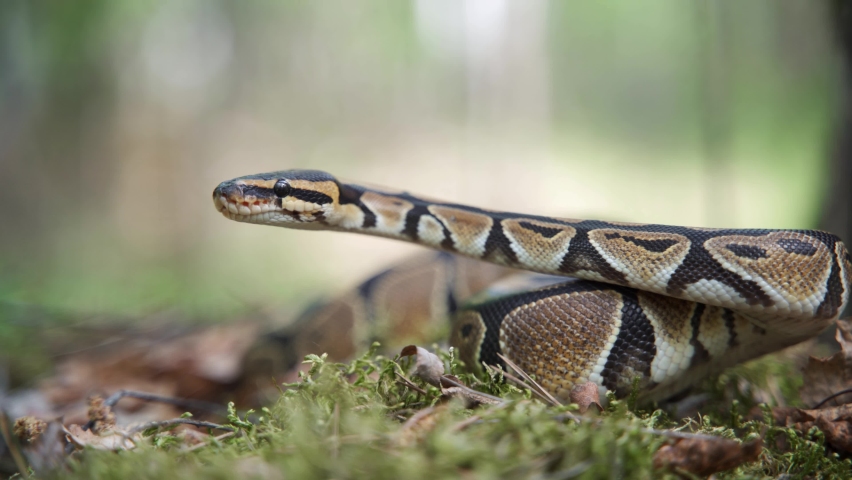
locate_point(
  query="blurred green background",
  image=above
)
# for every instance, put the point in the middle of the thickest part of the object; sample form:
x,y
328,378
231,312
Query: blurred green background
x,y
118,118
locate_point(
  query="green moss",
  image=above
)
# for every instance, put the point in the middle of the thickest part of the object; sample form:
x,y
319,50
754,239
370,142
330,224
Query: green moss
x,y
347,421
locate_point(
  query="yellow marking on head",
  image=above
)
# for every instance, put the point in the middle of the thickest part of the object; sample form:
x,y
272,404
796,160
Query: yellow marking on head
x,y
647,259
539,248
468,230
560,339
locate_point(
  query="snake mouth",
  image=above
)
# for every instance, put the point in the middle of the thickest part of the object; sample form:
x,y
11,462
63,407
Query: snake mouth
x,y
266,210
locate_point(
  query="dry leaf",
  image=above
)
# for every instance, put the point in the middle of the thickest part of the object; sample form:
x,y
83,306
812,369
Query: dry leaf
x,y
427,366
835,422
113,440
706,455
824,377
586,395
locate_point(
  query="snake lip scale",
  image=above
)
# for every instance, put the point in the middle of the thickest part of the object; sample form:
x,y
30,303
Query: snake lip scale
x,y
664,304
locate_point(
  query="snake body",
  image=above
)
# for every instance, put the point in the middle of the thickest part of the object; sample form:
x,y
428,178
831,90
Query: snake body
x,y
662,304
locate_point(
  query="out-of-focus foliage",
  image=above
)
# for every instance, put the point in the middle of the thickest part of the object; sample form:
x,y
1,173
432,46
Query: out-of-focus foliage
x,y
118,118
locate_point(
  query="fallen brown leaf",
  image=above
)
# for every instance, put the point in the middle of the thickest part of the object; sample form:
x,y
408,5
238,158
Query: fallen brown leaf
x,y
835,422
824,377
705,455
112,440
586,395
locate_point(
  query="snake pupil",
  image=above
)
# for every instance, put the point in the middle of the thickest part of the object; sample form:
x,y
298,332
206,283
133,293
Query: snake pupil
x,y
281,188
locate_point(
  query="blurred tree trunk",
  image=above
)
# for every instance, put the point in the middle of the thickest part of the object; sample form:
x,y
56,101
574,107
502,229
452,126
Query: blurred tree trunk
x,y
837,215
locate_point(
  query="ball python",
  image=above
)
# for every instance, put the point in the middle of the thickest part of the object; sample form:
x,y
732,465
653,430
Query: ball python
x,y
650,305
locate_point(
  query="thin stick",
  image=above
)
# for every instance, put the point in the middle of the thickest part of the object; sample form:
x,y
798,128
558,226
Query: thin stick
x,y
408,383
204,444
471,393
113,399
177,421
831,397
553,401
12,445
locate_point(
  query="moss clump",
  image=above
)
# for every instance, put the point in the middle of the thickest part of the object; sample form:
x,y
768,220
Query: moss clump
x,y
355,421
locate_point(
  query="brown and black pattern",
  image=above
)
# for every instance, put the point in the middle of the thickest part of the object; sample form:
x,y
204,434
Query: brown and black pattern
x,y
731,288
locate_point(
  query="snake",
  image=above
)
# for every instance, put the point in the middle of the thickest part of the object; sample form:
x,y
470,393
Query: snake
x,y
647,308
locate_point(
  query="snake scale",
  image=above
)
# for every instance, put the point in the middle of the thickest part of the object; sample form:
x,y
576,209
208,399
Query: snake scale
x,y
661,305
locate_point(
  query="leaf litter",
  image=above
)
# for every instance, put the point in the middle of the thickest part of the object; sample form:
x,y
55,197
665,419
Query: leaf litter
x,y
446,423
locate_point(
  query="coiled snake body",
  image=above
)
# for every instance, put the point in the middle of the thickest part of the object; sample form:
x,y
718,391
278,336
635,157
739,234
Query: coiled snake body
x,y
666,304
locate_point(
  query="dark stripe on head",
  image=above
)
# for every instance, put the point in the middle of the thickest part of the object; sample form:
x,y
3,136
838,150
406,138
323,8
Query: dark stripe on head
x,y
349,194
310,196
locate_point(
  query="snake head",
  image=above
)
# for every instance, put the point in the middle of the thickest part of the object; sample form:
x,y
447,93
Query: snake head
x,y
289,198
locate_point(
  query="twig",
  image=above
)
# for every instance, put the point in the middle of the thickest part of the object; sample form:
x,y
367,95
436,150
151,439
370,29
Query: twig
x,y
481,397
177,421
519,382
197,405
408,383
553,401
13,445
832,397
204,444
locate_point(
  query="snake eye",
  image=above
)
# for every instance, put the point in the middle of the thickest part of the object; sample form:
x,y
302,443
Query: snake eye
x,y
282,188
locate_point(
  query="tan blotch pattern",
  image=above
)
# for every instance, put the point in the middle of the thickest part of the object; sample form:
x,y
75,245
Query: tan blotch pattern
x,y
430,231
646,259
845,269
535,250
671,320
560,339
467,334
790,279
413,300
713,334
468,230
390,211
